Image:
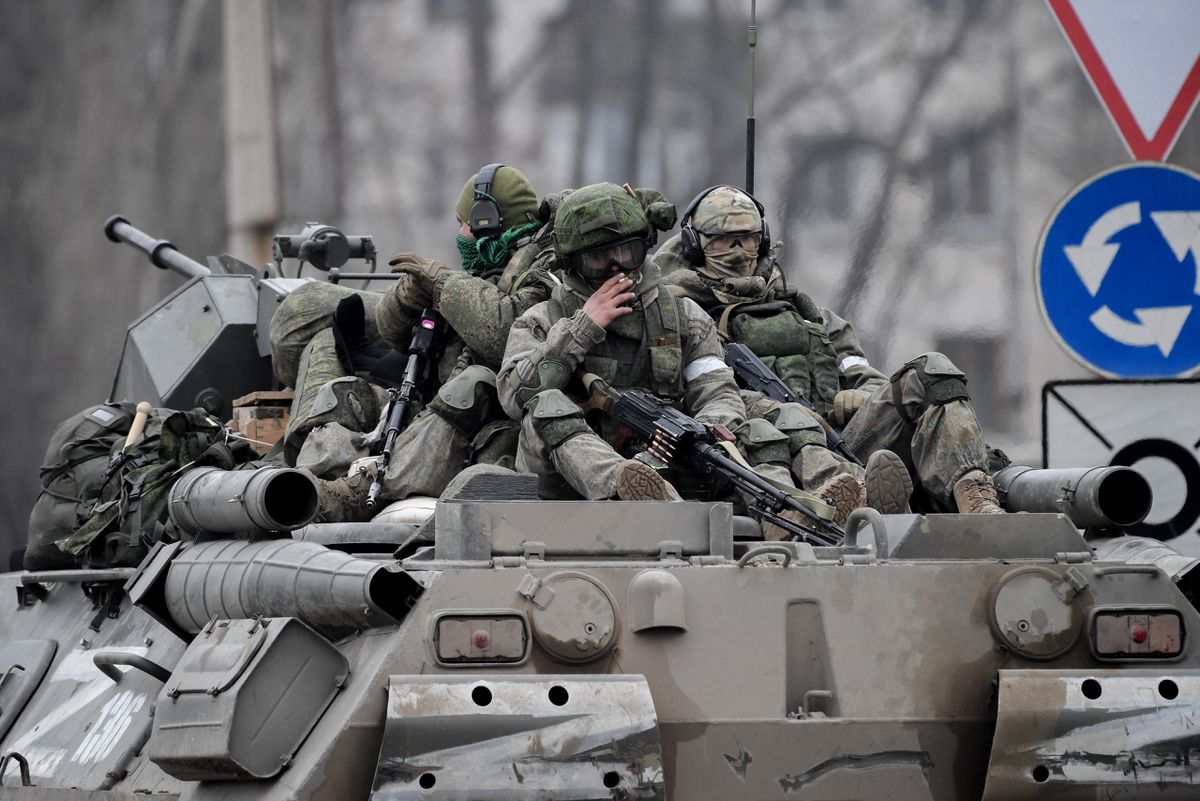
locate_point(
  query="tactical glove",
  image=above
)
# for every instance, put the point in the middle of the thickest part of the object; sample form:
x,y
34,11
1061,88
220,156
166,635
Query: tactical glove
x,y
847,402
425,272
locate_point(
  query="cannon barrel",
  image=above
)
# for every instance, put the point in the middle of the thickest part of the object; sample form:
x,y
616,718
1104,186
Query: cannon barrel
x,y
162,253
211,500
236,579
1092,497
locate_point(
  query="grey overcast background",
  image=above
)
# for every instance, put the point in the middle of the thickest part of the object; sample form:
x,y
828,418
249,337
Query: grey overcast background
x,y
908,154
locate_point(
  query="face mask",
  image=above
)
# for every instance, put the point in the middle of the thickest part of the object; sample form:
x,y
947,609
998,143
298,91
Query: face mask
x,y
735,263
468,251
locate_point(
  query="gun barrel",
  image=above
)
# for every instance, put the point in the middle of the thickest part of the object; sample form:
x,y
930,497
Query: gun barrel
x,y
211,500
235,579
162,253
1092,497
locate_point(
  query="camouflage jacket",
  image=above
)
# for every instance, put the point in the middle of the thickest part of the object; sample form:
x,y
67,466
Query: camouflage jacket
x,y
854,371
709,391
479,311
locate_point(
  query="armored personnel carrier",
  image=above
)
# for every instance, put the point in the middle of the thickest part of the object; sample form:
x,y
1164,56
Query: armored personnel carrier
x,y
514,648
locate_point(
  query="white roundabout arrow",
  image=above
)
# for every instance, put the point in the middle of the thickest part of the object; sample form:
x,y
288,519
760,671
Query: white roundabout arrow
x,y
1158,326
1181,229
1092,257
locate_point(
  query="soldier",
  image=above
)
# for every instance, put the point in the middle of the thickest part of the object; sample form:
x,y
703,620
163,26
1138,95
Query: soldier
x,y
722,258
500,232
610,317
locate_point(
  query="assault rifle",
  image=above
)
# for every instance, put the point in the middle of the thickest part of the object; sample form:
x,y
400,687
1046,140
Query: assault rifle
x,y
416,372
753,374
673,435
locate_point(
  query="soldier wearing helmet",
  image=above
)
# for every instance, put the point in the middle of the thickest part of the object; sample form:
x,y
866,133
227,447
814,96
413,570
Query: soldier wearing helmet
x,y
608,317
723,259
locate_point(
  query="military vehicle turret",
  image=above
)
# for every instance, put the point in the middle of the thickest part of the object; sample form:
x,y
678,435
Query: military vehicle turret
x,y
516,648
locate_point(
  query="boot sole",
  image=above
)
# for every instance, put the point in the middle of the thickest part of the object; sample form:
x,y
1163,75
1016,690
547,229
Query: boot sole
x,y
889,486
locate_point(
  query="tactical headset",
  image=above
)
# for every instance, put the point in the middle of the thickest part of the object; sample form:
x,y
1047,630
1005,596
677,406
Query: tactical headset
x,y
485,218
693,250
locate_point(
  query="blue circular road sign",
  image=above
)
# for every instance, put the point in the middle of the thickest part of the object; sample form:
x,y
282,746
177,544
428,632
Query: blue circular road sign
x,y
1118,272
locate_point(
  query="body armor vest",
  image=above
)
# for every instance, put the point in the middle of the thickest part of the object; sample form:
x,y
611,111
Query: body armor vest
x,y
797,349
642,350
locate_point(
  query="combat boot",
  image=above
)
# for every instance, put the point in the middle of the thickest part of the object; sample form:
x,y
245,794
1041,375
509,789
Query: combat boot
x,y
638,481
344,500
975,493
889,486
845,493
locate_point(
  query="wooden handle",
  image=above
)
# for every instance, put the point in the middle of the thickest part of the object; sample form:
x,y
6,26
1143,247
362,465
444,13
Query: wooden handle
x,y
139,423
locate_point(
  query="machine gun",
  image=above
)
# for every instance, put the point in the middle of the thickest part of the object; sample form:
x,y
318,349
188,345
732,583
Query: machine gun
x,y
671,434
416,371
754,374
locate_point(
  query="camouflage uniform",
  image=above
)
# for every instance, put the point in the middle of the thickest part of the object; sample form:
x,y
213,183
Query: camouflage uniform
x,y
667,345
462,423
922,411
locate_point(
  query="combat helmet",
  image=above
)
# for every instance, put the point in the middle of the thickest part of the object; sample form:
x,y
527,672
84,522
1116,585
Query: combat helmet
x,y
598,225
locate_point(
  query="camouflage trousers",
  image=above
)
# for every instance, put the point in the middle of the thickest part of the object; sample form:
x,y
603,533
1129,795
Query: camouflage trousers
x,y
585,464
307,312
939,442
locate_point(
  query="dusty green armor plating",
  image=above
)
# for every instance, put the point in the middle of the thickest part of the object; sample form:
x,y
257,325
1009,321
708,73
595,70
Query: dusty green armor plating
x,y
798,350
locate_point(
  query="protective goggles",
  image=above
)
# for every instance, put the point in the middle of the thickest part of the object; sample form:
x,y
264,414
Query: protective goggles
x,y
746,240
627,255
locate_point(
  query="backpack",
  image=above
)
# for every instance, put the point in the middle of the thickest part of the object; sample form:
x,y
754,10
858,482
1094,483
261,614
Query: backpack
x,y
130,508
71,473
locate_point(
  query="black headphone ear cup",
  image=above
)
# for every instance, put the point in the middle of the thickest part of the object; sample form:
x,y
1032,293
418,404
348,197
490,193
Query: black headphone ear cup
x,y
692,250
764,246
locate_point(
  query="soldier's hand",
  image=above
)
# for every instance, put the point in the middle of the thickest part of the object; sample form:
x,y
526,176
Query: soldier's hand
x,y
425,271
846,403
610,301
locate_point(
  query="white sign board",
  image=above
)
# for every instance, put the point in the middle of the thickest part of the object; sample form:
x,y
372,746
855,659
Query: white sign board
x,y
1153,426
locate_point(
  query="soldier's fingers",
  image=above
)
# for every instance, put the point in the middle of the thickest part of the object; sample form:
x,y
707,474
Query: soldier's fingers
x,y
624,298
613,285
621,310
403,258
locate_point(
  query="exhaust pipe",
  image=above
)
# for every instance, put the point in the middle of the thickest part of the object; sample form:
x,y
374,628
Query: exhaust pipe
x,y
237,579
211,500
1092,497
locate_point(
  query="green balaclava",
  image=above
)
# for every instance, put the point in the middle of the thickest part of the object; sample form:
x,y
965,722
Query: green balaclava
x,y
518,203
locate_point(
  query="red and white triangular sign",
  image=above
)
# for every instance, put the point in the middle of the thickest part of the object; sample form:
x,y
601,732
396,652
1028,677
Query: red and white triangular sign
x,y
1143,60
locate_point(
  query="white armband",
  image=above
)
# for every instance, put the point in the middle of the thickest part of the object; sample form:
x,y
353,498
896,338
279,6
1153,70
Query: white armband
x,y
705,364
852,361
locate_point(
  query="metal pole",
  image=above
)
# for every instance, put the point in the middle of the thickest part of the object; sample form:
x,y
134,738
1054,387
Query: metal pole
x,y
752,41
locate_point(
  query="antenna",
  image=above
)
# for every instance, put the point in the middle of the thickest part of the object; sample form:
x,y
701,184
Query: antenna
x,y
752,41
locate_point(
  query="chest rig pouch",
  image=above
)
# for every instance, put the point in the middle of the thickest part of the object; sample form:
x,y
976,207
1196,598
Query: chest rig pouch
x,y
642,350
798,350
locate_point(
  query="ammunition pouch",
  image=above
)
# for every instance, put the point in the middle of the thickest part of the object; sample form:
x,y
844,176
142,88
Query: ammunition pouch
x,y
467,400
764,443
556,418
551,374
940,379
801,428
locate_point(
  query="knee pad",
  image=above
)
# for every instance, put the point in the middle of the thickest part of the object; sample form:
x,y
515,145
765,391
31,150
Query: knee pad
x,y
556,418
764,443
801,428
467,400
941,380
551,375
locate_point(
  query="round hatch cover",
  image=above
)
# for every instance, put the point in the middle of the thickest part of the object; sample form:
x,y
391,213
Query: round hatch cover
x,y
1033,613
578,622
